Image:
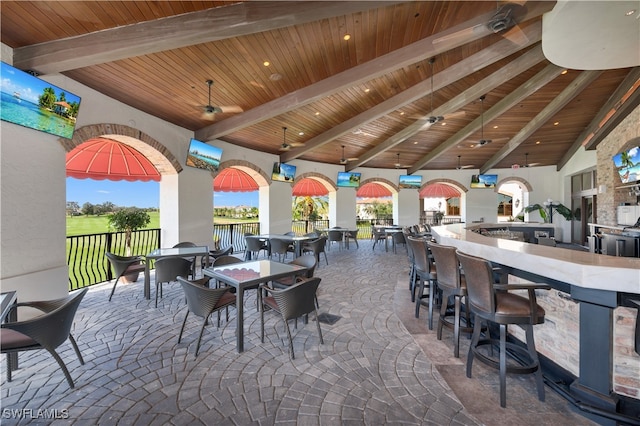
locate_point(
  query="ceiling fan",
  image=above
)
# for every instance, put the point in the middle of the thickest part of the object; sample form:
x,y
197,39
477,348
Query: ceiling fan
x,y
526,161
460,167
504,22
435,118
210,111
345,160
286,146
399,165
483,141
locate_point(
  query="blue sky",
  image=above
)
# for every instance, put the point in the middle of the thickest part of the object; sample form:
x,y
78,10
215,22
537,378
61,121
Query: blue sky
x,y
140,194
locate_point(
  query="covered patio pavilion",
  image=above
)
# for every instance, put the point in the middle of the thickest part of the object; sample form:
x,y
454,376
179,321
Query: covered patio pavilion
x,y
378,365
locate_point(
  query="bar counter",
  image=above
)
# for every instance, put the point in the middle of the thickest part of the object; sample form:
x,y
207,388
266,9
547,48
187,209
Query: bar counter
x,y
595,283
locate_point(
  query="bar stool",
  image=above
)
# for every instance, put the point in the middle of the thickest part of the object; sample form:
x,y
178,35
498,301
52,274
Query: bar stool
x,y
493,303
452,284
426,271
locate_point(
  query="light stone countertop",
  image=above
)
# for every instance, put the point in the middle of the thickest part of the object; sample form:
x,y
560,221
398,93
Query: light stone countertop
x,y
582,269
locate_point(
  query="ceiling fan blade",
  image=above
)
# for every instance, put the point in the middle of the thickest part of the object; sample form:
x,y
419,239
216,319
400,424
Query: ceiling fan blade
x,y
296,144
352,159
284,147
516,35
230,109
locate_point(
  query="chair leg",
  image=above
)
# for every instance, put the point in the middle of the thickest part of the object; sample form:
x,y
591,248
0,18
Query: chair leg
x,y
62,367
182,328
418,297
113,289
475,337
503,365
200,335
318,325
325,259
443,313
158,287
531,346
261,306
75,348
8,367
456,325
432,290
291,354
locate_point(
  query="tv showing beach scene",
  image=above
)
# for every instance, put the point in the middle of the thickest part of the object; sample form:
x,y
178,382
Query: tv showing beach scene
x,y
31,102
628,165
283,172
410,181
484,181
348,179
203,156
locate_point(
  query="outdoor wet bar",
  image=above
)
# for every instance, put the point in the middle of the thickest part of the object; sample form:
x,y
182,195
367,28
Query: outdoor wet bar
x,y
587,344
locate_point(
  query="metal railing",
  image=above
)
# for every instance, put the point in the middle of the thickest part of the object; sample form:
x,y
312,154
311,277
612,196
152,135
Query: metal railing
x,y
86,258
233,234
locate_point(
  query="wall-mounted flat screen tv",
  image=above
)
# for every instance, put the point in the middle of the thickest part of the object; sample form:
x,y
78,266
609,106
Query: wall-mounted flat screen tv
x,y
203,156
283,172
484,181
348,179
410,181
31,102
628,165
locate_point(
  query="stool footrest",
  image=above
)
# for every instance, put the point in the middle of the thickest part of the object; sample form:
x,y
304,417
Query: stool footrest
x,y
491,361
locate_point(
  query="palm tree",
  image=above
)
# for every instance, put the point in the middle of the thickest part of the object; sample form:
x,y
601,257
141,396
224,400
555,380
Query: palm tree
x,y
309,207
546,210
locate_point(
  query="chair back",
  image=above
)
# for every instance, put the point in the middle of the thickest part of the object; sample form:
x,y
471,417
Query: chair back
x,y
298,299
545,241
447,265
201,300
169,268
407,234
398,238
185,244
313,234
222,252
121,263
353,234
278,246
290,234
226,260
308,262
335,235
478,275
254,244
53,328
420,255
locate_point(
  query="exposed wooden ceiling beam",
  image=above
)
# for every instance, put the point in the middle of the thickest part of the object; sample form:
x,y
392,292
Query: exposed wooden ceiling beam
x,y
532,85
466,32
594,132
571,91
178,31
467,66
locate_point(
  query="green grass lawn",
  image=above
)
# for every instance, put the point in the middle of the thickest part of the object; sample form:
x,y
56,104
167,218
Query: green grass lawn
x,y
83,225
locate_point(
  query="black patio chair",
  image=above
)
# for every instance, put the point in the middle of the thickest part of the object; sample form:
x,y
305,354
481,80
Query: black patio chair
x,y
292,302
202,302
124,265
47,331
168,269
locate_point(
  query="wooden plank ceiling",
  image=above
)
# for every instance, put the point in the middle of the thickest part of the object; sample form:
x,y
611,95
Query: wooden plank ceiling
x,y
290,64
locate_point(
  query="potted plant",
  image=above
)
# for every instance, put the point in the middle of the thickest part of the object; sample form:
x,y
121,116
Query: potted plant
x,y
438,216
547,208
129,220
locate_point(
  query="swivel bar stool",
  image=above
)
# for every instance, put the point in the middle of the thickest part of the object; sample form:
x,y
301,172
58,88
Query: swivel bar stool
x,y
492,303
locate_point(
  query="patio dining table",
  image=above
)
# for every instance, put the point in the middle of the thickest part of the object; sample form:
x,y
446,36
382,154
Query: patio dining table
x,y
246,275
172,252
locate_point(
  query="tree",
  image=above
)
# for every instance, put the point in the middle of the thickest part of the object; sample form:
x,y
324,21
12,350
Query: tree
x,y
88,208
48,98
129,220
72,207
309,208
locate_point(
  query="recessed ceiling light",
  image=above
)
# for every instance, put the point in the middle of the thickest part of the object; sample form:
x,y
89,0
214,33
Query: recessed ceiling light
x,y
366,90
401,112
317,112
630,12
556,123
346,37
564,72
495,127
537,142
443,123
266,63
415,142
300,133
